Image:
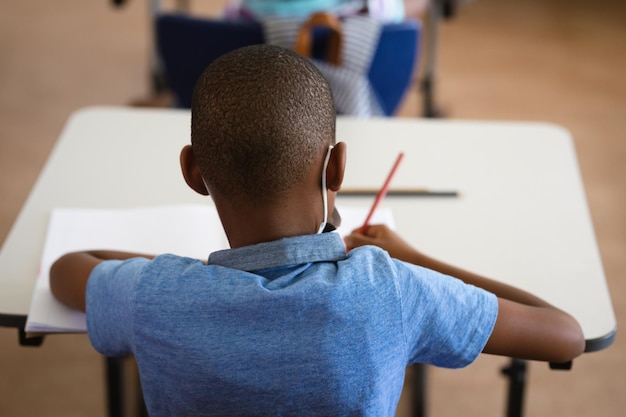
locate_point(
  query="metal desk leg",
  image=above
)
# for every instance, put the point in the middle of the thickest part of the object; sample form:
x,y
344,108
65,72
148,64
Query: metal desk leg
x,y
419,390
516,372
124,394
430,61
437,11
115,387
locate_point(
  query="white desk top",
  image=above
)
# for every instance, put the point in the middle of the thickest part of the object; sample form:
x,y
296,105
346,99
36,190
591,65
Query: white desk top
x,y
521,218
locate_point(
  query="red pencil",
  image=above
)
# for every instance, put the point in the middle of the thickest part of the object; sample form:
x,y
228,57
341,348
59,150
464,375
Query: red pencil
x,y
382,193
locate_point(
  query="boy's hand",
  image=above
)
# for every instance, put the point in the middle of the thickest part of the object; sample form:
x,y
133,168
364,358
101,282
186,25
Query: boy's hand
x,y
385,238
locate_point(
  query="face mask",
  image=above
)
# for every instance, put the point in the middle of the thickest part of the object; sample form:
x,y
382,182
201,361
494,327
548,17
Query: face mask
x,y
324,191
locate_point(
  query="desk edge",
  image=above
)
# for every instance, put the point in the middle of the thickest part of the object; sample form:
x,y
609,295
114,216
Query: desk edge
x,y
18,321
600,343
13,320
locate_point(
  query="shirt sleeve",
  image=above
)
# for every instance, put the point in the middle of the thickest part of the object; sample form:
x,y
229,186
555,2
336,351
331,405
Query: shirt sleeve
x,y
446,322
110,301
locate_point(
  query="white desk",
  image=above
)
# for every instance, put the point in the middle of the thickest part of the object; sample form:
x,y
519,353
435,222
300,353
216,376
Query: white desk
x,y
522,215
521,218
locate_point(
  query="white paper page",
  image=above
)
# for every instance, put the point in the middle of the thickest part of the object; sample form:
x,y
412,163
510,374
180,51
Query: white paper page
x,y
193,231
353,218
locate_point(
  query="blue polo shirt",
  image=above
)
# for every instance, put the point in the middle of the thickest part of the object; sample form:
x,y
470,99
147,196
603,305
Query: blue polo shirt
x,y
290,327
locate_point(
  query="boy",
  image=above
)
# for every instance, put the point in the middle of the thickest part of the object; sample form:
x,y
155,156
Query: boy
x,y
285,322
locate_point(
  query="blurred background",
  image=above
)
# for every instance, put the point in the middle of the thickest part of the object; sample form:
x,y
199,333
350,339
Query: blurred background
x,y
536,60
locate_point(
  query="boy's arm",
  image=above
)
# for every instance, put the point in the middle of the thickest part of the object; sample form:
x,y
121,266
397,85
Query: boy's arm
x,y
69,274
527,327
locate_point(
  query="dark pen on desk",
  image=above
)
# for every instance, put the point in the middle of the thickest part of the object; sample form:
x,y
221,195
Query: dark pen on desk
x,y
382,193
399,192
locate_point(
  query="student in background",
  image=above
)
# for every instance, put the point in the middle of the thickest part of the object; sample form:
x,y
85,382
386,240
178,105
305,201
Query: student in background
x,y
287,322
386,11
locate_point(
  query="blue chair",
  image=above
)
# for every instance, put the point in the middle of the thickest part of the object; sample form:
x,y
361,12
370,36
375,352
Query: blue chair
x,y
186,45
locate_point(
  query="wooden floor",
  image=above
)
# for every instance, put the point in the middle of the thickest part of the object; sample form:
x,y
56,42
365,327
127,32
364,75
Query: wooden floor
x,y
543,60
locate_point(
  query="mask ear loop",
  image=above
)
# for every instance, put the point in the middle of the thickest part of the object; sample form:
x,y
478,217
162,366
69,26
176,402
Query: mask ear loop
x,y
324,191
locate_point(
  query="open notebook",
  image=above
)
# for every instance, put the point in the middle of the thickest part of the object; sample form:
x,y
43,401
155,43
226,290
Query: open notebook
x,y
190,230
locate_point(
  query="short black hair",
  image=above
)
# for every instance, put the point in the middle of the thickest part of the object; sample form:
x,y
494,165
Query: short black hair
x,y
261,116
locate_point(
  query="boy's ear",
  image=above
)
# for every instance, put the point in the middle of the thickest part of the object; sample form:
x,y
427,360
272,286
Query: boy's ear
x,y
336,167
191,171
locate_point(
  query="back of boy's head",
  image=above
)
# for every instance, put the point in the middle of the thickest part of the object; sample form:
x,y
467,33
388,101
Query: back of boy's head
x,y
261,118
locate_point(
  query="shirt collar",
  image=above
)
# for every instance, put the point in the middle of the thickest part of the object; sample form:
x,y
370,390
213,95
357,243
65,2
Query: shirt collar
x,y
296,250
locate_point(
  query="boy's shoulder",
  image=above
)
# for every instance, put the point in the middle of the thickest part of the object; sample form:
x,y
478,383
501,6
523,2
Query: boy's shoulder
x,y
378,261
